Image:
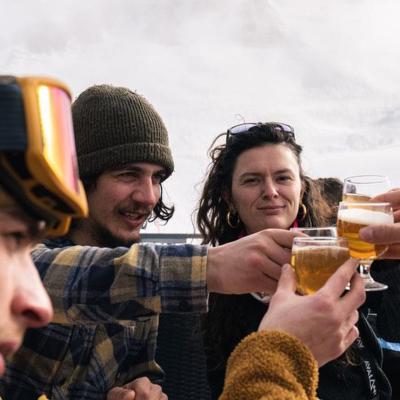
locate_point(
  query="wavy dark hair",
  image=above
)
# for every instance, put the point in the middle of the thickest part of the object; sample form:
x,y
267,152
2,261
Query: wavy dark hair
x,y
232,317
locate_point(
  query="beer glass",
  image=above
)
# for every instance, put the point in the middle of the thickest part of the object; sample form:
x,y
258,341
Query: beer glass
x,y
315,259
361,188
353,216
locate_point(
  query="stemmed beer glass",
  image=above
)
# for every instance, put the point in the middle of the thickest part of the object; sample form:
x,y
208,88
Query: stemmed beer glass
x,y
352,216
358,189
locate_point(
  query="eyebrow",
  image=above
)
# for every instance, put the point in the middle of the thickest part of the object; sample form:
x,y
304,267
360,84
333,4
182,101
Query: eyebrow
x,y
280,171
284,171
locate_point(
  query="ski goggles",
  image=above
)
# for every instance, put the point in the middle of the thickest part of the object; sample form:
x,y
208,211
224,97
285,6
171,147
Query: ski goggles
x,y
247,126
38,162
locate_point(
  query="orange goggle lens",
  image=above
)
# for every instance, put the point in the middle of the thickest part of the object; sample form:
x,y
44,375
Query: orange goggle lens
x,y
58,136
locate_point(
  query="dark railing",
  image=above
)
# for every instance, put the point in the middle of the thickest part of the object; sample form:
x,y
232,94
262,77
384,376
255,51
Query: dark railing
x,y
171,237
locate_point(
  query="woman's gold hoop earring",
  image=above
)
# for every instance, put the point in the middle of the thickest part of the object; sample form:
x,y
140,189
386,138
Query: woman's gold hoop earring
x,y
303,208
229,220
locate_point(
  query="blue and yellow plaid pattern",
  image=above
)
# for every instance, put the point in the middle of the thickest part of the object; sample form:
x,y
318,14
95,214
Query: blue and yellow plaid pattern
x,y
106,304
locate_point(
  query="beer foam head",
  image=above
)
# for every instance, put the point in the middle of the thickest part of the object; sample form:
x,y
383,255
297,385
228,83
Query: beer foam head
x,y
326,248
364,217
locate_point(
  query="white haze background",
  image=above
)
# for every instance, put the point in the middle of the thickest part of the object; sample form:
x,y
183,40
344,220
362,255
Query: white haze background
x,y
331,69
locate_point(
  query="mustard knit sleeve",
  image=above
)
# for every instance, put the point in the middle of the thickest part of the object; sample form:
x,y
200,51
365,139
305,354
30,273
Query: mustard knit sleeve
x,y
271,365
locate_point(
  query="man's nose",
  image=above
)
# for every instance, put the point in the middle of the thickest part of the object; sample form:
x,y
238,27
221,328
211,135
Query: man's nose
x,y
147,193
30,302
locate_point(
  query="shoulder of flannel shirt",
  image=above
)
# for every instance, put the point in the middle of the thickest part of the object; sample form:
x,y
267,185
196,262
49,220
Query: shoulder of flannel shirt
x,y
96,285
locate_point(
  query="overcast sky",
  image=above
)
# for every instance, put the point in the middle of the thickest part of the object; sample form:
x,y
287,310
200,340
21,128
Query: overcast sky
x,y
330,69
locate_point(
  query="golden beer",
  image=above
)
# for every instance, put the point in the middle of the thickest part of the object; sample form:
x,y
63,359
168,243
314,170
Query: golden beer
x,y
355,198
351,220
314,264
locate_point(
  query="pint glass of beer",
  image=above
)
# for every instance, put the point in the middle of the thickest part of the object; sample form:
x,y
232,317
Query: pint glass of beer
x,y
315,259
352,216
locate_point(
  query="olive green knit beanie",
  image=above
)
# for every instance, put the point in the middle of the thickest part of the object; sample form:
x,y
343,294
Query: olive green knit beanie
x,y
114,126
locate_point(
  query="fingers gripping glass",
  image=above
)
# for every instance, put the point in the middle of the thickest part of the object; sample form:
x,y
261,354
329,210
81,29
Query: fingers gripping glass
x,y
247,126
37,149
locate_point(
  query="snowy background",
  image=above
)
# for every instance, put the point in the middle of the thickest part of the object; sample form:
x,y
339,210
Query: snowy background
x,y
330,69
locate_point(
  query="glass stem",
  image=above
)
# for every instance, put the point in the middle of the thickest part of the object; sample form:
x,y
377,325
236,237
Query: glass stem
x,y
364,271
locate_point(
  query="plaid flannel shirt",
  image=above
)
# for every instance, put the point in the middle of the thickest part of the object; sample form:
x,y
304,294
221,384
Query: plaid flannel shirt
x,y
106,304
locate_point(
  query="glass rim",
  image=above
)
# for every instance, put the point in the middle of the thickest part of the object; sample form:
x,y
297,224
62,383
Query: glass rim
x,y
322,228
365,203
353,179
320,240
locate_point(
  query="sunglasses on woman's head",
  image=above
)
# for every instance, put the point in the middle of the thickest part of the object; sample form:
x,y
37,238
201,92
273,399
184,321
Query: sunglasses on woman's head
x,y
247,126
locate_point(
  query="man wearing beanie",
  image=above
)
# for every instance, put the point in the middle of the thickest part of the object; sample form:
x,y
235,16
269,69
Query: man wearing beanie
x,y
123,155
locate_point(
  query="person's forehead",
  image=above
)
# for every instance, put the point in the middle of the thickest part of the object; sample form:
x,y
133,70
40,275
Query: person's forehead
x,y
277,156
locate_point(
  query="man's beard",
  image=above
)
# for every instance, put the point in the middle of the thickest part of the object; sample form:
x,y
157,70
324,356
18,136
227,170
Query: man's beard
x,y
105,238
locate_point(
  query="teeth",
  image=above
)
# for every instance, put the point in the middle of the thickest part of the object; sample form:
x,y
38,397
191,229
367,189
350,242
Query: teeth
x,y
131,215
